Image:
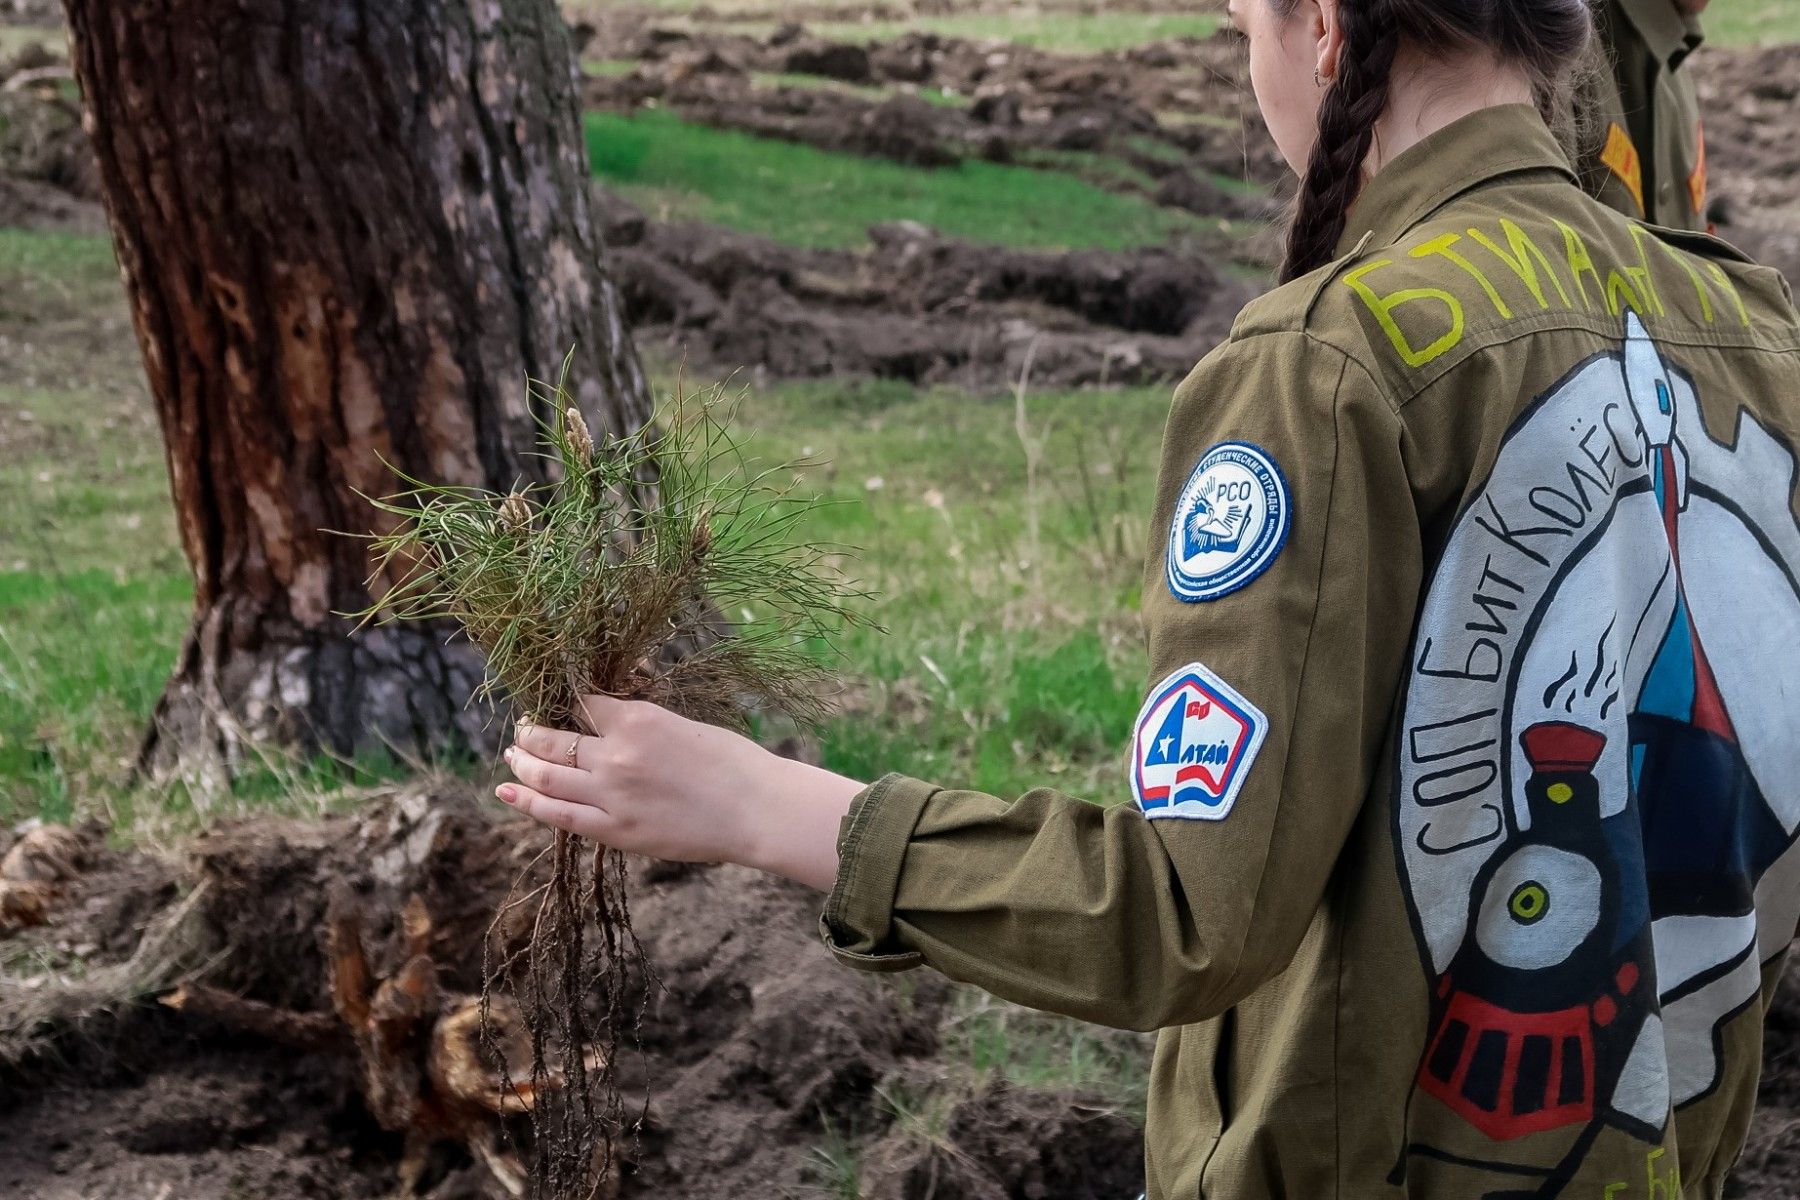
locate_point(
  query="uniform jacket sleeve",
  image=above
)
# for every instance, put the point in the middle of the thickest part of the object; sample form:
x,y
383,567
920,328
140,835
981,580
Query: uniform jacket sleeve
x,y
1098,911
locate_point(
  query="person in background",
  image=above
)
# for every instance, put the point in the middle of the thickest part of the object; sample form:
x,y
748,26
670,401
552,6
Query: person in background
x,y
1646,149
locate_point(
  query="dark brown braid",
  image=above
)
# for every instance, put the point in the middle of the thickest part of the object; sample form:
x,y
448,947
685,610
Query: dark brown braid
x,y
1347,116
1549,38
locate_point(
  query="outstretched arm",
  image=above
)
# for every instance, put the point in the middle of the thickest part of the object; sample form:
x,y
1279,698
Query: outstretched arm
x,y
1252,758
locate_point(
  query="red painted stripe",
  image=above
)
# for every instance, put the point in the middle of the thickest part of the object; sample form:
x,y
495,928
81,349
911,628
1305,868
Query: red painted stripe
x,y
1709,705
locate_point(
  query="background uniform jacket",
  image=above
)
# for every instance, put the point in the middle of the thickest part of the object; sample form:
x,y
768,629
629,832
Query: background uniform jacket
x,y
1647,146
1459,857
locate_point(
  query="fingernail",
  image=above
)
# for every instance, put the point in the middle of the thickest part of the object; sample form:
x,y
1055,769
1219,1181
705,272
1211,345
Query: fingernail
x,y
508,793
508,755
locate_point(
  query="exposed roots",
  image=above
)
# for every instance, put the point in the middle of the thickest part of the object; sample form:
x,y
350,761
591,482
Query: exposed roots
x,y
580,980
430,1061
173,946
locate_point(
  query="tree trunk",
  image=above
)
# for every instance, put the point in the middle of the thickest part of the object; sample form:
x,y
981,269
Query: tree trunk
x,y
350,230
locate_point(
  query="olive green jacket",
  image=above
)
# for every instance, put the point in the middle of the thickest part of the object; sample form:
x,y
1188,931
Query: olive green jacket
x,y
1459,856
1646,151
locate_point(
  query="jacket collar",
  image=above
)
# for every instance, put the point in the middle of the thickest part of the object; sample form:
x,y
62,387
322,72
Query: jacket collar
x,y
1670,33
1466,153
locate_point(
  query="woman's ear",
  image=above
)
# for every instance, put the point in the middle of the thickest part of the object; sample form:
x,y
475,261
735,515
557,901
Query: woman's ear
x,y
1329,33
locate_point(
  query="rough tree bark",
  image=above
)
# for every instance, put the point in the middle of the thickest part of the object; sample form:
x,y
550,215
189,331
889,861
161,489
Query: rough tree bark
x,y
350,230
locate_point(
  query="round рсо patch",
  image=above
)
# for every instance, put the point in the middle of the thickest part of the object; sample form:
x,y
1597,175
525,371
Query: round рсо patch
x,y
1231,521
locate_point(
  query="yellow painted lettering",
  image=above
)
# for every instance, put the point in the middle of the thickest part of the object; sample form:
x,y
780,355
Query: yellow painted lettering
x,y
1581,261
1520,260
1382,307
1641,275
1680,260
1659,1188
1618,286
1656,1187
1719,274
1441,246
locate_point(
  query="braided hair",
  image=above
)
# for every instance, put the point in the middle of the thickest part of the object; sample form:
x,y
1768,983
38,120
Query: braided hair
x,y
1547,37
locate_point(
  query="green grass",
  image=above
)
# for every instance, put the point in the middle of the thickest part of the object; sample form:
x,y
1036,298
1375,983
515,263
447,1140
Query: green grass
x,y
94,590
64,701
1008,652
1102,170
809,197
1059,28
819,83
835,1164
1752,22
726,7
54,261
997,1040
939,97
999,664
607,68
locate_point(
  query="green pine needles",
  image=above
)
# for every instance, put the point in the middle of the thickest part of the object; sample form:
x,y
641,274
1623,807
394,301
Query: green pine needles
x,y
662,566
613,578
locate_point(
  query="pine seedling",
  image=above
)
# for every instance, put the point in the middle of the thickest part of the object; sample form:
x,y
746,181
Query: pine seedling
x,y
613,579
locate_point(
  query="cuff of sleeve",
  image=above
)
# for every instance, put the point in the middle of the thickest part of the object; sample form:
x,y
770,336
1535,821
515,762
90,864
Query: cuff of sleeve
x,y
857,923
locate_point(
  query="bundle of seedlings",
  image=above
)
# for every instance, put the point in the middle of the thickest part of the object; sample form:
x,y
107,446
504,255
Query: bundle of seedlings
x,y
612,580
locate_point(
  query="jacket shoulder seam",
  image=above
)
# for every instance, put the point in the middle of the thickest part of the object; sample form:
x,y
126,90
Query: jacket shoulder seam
x,y
1346,353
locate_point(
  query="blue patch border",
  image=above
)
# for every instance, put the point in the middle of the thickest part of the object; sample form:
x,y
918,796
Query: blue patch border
x,y
1269,544
1257,732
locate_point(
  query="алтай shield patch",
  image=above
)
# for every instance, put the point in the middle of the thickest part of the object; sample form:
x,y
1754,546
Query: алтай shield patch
x,y
1195,742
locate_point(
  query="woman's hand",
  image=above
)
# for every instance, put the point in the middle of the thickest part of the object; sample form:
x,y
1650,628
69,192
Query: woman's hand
x,y
657,784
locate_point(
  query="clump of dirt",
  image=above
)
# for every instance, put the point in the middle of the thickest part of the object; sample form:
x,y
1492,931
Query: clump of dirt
x,y
271,885
49,178
916,306
147,1106
1751,102
34,13
751,1038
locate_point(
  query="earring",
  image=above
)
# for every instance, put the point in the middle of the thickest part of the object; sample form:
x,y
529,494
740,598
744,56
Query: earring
x,y
1317,82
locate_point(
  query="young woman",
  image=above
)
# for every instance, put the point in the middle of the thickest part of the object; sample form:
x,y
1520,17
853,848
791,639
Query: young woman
x,y
1459,858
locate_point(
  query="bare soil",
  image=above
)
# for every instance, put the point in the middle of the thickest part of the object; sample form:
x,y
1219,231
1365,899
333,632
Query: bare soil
x,y
48,176
751,1039
1751,102
918,307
